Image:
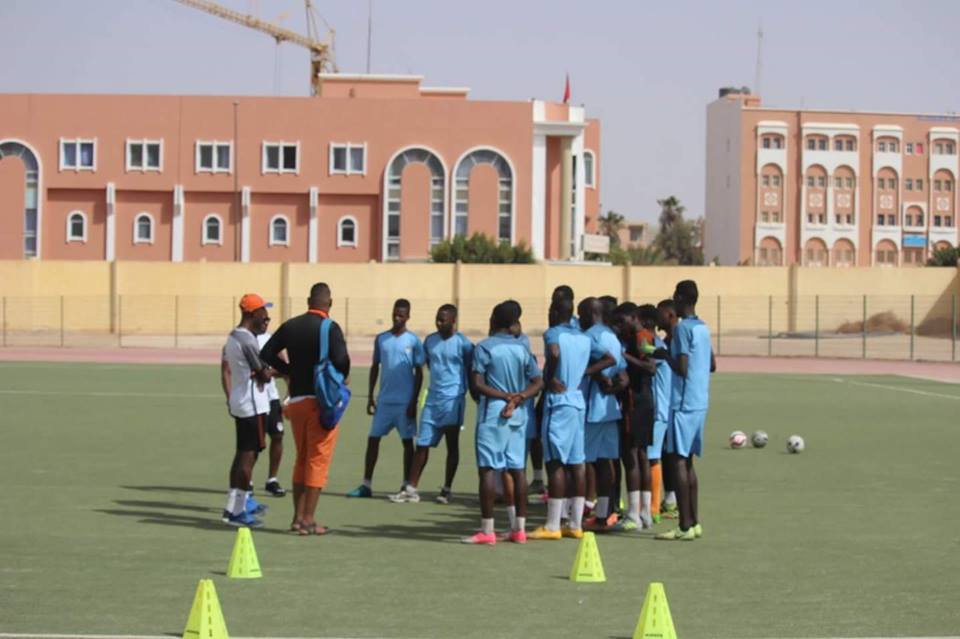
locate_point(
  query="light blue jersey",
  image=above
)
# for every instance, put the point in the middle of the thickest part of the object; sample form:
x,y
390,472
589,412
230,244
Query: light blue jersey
x,y
691,337
576,349
508,366
397,355
530,405
662,385
603,407
449,361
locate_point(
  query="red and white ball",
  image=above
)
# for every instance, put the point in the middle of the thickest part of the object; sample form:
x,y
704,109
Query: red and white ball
x,y
738,439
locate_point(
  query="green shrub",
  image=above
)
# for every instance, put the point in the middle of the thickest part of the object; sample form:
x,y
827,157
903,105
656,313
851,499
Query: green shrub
x,y
481,249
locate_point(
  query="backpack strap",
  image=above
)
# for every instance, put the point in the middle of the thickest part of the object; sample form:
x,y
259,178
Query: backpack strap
x,y
325,339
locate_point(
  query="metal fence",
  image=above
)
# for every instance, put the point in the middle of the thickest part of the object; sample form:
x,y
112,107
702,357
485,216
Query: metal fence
x,y
913,327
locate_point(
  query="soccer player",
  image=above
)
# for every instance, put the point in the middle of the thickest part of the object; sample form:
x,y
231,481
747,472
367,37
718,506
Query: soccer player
x,y
666,321
602,432
692,361
243,376
505,375
274,426
567,361
449,356
299,337
662,381
638,420
400,354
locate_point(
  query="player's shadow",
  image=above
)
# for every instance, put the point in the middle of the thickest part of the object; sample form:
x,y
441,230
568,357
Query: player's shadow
x,y
176,489
448,529
165,518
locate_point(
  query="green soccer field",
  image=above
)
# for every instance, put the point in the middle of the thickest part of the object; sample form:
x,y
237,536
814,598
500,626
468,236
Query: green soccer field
x,y
114,479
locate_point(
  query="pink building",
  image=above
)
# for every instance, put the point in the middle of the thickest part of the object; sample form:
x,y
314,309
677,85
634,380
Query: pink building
x,y
828,188
376,168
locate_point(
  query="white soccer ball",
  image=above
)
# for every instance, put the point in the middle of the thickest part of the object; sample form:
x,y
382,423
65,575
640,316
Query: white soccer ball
x,y
795,444
759,439
738,439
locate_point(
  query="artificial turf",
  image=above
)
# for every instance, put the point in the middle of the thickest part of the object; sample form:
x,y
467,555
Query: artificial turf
x,y
114,479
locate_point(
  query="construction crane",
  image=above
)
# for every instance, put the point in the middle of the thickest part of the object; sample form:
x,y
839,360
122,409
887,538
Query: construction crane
x,y
321,53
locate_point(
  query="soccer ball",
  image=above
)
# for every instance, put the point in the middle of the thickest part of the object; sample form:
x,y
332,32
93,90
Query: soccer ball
x,y
795,444
759,439
738,439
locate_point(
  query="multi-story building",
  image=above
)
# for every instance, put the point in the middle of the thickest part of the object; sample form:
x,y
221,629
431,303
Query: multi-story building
x,y
375,168
634,234
827,188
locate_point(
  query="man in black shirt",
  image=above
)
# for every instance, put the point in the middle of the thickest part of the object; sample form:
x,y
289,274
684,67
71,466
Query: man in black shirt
x,y
300,338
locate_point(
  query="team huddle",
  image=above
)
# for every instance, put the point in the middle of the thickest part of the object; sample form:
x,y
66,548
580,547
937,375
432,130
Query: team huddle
x,y
621,398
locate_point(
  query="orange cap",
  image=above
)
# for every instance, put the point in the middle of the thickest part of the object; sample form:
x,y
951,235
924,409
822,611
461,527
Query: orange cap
x,y
251,302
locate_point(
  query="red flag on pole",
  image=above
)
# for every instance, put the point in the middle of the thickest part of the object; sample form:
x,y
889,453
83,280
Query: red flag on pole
x,y
566,91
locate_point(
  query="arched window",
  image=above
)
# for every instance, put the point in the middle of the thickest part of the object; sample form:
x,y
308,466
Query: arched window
x,y
943,199
886,253
844,196
279,231
843,253
816,202
143,229
31,227
437,197
769,253
505,191
347,231
212,229
770,195
589,169
77,226
815,253
888,197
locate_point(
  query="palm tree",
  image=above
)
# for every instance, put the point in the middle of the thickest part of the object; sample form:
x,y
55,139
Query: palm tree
x,y
610,225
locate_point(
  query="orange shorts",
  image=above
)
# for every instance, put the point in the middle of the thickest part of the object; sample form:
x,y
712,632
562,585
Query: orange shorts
x,y
315,444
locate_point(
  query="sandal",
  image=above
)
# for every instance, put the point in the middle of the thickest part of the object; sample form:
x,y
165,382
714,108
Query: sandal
x,y
296,527
313,529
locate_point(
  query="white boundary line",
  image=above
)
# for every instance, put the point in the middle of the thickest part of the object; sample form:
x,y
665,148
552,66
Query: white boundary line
x,y
7,391
913,391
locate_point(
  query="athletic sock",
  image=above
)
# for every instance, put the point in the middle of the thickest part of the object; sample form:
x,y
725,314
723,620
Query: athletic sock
x,y
576,517
645,505
521,523
633,506
670,499
368,483
564,509
656,474
271,479
239,502
486,526
554,510
589,505
410,488
603,508
231,500
538,474
445,489
512,516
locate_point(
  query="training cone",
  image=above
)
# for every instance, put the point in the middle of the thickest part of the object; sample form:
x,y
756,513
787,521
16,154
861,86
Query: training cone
x,y
206,618
587,567
655,620
243,560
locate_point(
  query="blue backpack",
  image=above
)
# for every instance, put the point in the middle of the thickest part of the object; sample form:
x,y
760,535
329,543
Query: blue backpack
x,y
332,393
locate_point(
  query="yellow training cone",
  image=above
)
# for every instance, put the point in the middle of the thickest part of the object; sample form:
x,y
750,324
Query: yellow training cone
x,y
243,560
206,618
655,620
587,566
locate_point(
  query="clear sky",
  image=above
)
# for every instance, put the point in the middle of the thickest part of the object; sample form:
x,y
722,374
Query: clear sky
x,y
646,69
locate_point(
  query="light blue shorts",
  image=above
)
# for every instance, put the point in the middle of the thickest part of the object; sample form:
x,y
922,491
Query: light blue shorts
x,y
601,441
436,416
655,450
390,416
685,433
531,427
563,434
501,447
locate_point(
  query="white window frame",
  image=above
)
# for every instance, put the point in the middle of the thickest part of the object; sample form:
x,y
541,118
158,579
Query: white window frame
x,y
347,147
214,144
136,225
270,240
356,230
908,149
204,240
73,238
281,145
590,178
144,168
77,142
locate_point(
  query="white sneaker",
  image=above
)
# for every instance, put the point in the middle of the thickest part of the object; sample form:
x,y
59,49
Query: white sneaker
x,y
445,497
404,497
646,521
